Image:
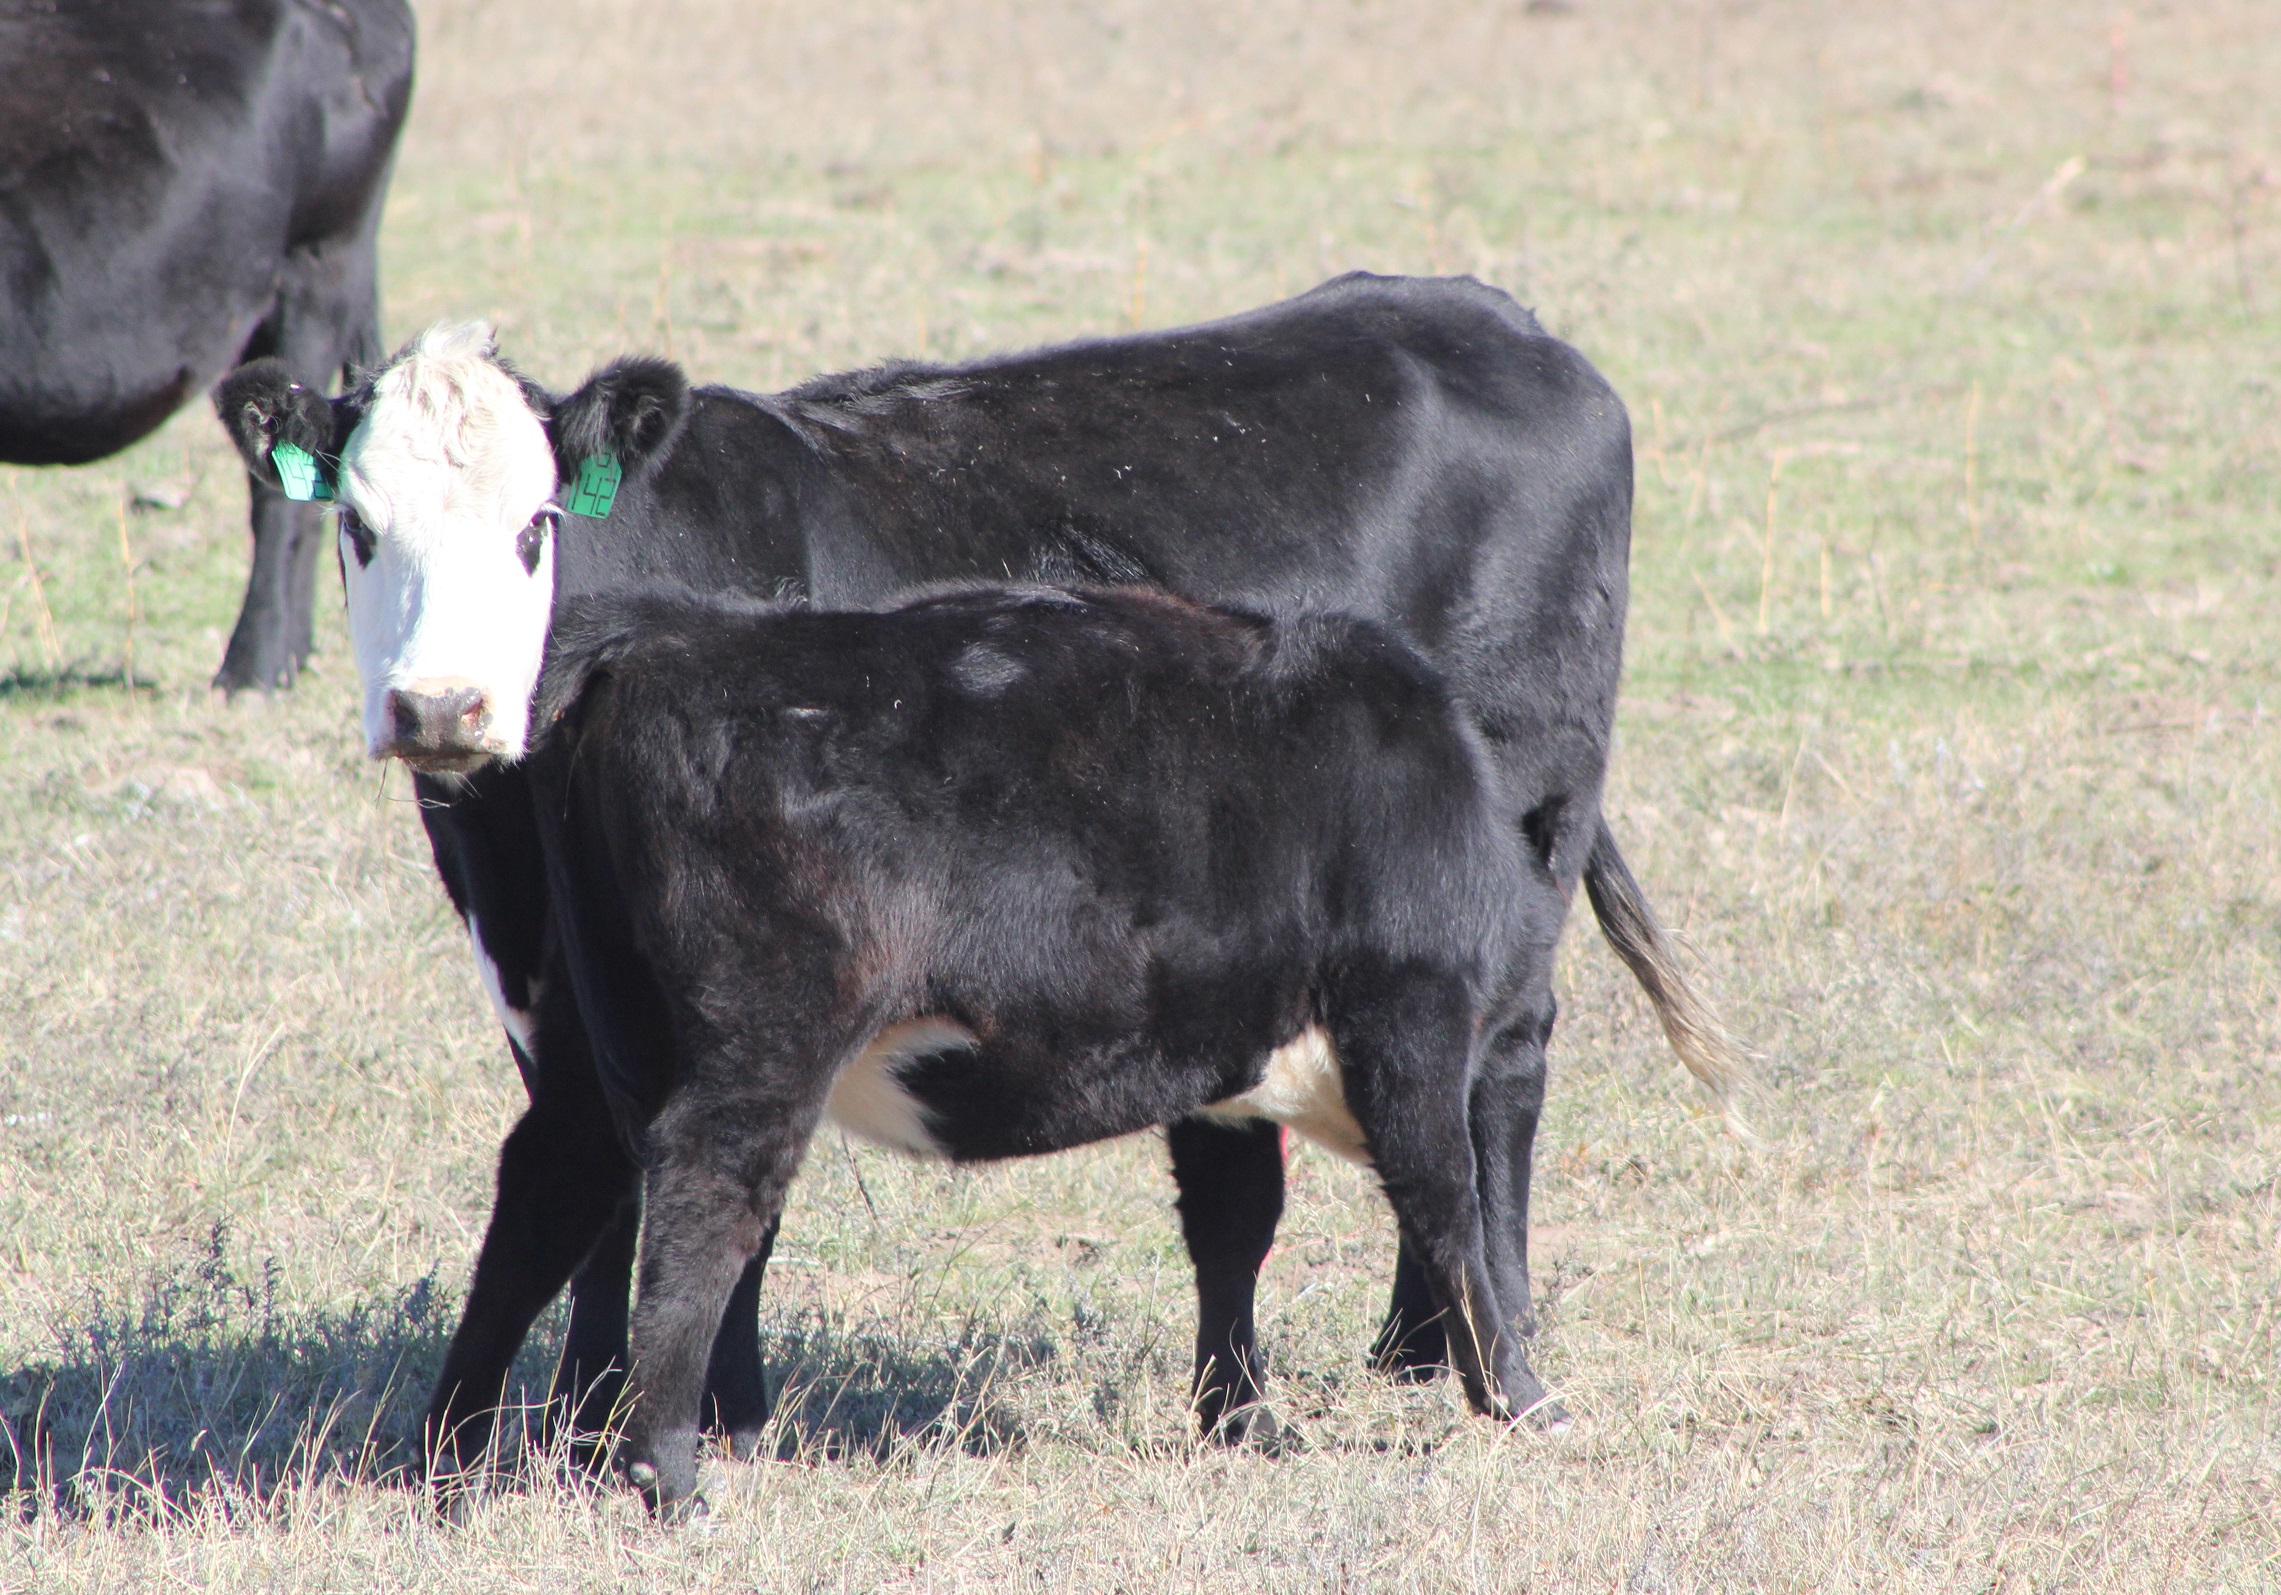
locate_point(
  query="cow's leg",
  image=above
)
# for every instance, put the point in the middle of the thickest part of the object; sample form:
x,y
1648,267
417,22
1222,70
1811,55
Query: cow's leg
x,y
1506,1103
591,1375
327,315
1510,1072
304,557
562,1177
1231,1195
736,1383
276,611
1412,1344
719,1164
1404,1044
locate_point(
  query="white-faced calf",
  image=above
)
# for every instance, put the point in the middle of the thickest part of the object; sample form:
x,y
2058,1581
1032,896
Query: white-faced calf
x,y
1002,873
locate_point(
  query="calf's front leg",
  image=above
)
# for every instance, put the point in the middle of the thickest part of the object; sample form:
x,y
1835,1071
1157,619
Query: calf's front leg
x,y
590,1378
736,1383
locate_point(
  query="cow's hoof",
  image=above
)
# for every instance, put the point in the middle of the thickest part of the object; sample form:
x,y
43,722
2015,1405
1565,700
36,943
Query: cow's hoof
x,y
1270,1436
1411,1361
243,695
1256,1428
1410,1354
453,1492
241,679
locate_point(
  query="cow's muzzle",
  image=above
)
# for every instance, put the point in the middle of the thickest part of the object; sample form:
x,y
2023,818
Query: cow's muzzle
x,y
439,727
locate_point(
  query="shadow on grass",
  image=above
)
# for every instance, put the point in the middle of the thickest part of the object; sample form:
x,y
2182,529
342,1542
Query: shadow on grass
x,y
206,1380
33,686
843,1393
204,1383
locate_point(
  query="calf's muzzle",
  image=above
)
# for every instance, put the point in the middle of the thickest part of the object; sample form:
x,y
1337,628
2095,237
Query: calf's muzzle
x,y
438,726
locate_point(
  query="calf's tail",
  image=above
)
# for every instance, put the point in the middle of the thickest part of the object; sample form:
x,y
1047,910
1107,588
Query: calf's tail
x,y
1689,1022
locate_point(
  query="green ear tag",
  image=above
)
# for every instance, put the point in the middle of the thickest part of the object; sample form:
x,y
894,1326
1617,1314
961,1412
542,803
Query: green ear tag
x,y
597,489
301,473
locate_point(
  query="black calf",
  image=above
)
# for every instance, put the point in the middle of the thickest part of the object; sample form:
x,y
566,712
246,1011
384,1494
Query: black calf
x,y
999,874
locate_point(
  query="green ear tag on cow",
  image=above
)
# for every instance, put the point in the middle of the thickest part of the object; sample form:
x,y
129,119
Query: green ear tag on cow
x,y
301,473
597,489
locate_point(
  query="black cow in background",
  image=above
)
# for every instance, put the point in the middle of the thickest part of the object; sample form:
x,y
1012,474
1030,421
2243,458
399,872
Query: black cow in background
x,y
1414,452
183,187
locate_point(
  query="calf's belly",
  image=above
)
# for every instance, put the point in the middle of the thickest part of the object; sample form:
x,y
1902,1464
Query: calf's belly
x,y
927,1087
870,1099
1302,1090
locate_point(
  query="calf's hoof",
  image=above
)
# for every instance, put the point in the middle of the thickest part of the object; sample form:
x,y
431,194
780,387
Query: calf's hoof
x,y
1525,1404
739,1417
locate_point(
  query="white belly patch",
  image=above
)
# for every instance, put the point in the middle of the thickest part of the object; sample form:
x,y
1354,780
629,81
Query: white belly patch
x,y
867,1100
1304,1090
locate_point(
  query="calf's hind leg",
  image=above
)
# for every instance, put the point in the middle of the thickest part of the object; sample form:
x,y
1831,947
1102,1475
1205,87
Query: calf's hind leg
x,y
1404,1046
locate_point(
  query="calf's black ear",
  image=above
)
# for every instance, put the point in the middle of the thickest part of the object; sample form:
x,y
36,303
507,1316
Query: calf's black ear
x,y
262,405
632,409
586,639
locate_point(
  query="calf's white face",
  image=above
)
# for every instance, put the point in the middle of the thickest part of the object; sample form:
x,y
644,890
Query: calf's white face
x,y
447,547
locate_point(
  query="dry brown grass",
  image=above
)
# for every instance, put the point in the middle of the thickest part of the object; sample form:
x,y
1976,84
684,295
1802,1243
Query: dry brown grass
x,y
1949,738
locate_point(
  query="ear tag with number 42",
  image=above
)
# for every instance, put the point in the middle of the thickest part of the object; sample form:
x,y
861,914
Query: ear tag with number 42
x,y
597,487
301,474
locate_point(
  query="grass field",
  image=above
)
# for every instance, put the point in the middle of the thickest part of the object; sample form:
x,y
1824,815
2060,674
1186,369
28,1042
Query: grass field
x,y
1953,343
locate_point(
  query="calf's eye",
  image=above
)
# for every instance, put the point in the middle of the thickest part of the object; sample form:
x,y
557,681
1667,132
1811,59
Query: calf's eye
x,y
533,537
358,534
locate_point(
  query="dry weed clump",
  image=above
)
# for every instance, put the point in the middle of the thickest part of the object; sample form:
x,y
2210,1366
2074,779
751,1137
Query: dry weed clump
x,y
1953,341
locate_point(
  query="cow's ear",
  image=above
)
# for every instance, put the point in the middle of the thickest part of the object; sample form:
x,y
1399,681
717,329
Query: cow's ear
x,y
262,405
631,409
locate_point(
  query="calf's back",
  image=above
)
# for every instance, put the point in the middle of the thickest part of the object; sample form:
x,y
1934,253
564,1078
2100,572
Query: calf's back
x,y
1108,845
